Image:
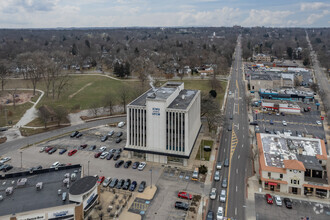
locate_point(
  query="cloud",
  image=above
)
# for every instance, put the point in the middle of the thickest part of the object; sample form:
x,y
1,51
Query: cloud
x,y
311,19
267,18
15,6
313,6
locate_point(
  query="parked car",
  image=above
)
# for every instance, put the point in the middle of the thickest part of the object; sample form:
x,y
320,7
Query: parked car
x,y
288,203
284,123
133,186
254,123
318,122
118,151
7,167
181,205
110,155
62,151
278,200
79,135
103,148
220,213
52,150
213,193
185,195
118,140
271,122
119,134
226,164
4,160
223,195
121,124
120,183
97,155
142,166
64,195
75,133
282,113
217,175
55,165
119,163
224,183
219,165
83,146
113,183
135,165
72,152
127,184
104,155
93,147
42,149
104,138
277,113
127,164
142,186
116,156
101,179
106,182
110,133
48,149
269,198
210,215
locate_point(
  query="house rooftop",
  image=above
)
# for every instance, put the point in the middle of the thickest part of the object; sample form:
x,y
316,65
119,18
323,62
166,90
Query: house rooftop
x,y
25,197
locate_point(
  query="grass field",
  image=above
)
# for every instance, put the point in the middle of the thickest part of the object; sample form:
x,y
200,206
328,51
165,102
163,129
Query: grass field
x,y
204,154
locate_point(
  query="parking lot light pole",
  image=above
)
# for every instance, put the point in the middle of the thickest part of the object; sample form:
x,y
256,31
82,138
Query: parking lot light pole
x,y
88,168
21,159
150,178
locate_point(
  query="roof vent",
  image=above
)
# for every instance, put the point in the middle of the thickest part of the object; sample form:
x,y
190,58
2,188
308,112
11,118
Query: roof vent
x,y
39,186
151,95
183,97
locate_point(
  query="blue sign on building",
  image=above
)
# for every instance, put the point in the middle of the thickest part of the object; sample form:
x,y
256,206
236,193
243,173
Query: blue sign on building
x,y
156,111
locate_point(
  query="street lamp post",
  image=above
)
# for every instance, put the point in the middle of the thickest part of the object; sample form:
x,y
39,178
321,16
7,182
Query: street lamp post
x,y
150,178
88,168
21,159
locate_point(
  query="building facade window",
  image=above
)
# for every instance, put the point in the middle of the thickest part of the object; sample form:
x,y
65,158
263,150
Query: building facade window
x,y
269,174
281,175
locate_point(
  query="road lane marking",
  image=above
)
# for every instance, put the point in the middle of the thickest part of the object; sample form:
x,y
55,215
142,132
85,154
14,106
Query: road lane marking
x,y
236,171
242,145
235,210
239,156
236,188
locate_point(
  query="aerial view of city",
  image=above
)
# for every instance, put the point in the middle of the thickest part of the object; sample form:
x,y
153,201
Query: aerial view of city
x,y
164,110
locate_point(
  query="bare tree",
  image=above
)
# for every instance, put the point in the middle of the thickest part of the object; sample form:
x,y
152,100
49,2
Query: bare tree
x,y
109,101
60,113
211,111
3,75
94,109
124,96
44,116
13,94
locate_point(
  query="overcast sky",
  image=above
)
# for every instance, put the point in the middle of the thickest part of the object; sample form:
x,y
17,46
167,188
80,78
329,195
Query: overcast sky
x,y
123,13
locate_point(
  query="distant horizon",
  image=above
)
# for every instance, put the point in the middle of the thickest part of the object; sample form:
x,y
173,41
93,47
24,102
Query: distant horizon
x,y
52,14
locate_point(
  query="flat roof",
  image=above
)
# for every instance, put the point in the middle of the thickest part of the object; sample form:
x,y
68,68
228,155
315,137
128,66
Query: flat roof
x,y
277,148
27,198
310,162
183,100
83,185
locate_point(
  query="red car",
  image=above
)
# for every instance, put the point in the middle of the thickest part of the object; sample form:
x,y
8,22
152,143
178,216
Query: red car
x,y
72,152
101,179
269,199
184,195
97,155
48,149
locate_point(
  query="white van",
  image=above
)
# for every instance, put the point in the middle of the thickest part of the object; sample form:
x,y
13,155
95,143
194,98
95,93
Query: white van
x,y
55,165
121,124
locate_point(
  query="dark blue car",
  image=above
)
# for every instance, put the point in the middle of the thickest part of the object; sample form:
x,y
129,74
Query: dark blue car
x,y
133,186
62,151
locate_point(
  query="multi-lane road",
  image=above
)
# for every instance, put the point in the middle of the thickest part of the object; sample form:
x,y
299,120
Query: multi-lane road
x,y
234,145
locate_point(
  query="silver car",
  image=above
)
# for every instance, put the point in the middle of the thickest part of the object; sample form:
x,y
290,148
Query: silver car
x,y
223,195
217,175
224,183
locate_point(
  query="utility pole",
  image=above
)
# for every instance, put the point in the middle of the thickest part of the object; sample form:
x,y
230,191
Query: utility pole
x,y
6,116
151,177
88,168
21,159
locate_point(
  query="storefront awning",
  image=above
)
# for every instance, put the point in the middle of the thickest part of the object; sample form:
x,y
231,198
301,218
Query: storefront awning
x,y
272,184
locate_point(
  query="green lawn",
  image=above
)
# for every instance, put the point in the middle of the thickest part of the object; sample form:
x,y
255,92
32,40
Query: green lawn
x,y
204,154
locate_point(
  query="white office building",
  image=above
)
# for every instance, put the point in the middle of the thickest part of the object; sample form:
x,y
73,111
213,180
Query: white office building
x,y
163,123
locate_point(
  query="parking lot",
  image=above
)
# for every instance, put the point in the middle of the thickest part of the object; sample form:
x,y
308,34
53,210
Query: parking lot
x,y
300,208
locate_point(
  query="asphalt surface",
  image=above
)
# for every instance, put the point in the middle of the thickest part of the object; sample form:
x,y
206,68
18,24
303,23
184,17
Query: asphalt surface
x,y
234,145
18,143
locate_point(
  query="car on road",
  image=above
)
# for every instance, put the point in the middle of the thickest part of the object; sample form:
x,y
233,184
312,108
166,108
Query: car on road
x,y
213,193
106,182
119,134
104,138
229,93
118,140
103,148
135,165
217,175
116,156
72,152
100,180
4,160
278,200
224,183
222,195
120,183
142,186
119,163
219,165
254,123
277,113
271,122
62,151
318,122
110,155
229,127
75,133
220,213
104,155
185,195
284,123
83,146
133,186
113,183
127,164
93,147
141,166
269,198
52,150
210,215
257,128
110,133
288,203
97,155
282,113
64,195
226,164
121,124
79,135
127,184
181,205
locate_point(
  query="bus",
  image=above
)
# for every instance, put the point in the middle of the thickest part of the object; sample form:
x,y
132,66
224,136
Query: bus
x,y
195,174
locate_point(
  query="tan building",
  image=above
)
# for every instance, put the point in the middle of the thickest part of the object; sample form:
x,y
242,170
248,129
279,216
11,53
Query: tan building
x,y
262,58
293,165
